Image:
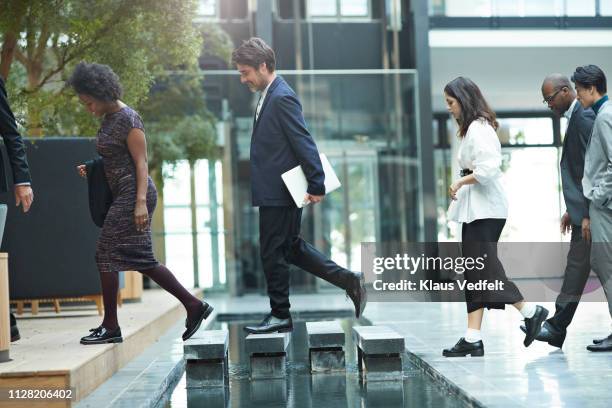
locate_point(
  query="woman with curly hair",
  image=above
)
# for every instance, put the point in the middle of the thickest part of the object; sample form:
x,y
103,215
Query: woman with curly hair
x,y
479,203
125,241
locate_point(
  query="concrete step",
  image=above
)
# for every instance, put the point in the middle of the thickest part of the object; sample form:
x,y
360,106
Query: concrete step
x,y
379,352
206,355
326,346
268,354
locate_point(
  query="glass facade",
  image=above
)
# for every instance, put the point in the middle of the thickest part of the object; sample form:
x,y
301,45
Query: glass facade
x,y
366,122
519,8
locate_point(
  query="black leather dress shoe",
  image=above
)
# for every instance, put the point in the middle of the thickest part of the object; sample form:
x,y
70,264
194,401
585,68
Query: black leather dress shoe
x,y
548,335
193,325
533,325
357,293
604,345
15,333
598,341
463,348
271,324
100,335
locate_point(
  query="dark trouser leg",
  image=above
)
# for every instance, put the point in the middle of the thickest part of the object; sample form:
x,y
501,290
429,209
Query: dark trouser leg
x,y
276,227
308,258
110,288
167,281
13,320
478,238
576,274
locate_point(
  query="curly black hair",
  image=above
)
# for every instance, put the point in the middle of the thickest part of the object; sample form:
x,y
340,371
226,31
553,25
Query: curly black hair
x,y
96,80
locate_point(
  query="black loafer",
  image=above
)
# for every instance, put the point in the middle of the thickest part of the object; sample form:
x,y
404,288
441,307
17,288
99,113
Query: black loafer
x,y
271,324
464,348
193,325
357,293
605,345
15,333
534,324
100,335
548,335
598,341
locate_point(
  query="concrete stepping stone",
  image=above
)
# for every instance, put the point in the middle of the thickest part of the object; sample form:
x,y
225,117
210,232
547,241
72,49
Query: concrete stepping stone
x,y
268,354
206,356
379,352
326,346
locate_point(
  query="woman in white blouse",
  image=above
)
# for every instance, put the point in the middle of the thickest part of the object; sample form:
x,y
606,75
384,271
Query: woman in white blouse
x,y
479,203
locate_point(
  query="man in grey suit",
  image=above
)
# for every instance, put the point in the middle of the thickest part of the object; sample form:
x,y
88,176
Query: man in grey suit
x,y
19,166
560,97
591,88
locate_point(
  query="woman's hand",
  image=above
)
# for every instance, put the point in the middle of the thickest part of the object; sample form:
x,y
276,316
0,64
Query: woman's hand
x,y
82,170
454,188
141,216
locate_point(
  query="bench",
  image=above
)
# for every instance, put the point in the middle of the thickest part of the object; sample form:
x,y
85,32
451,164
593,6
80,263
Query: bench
x,y
379,352
326,346
206,356
268,354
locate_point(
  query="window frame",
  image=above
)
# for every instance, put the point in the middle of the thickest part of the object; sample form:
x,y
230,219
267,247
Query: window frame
x,y
338,17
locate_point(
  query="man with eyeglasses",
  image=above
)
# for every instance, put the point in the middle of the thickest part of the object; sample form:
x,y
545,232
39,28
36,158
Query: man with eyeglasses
x,y
560,98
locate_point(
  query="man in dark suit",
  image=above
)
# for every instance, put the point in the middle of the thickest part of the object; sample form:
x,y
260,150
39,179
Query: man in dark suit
x,y
19,166
560,97
280,142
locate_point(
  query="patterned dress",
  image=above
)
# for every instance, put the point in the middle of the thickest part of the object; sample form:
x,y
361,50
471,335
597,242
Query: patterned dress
x,y
121,247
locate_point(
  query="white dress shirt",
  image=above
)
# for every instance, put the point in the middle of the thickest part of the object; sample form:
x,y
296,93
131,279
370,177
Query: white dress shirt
x,y
568,113
262,98
480,151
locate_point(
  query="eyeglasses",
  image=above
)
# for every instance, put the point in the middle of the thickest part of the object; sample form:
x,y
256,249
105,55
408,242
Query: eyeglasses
x,y
549,99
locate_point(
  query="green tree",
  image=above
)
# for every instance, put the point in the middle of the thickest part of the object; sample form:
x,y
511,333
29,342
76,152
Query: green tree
x,y
139,39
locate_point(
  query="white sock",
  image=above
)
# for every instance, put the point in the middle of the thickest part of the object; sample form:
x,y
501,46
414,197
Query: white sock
x,y
528,310
472,335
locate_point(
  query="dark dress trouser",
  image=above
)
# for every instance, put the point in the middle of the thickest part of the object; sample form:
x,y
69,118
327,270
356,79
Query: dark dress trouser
x,y
576,274
280,246
480,237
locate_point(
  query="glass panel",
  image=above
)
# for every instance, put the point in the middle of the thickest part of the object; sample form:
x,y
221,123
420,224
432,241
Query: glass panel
x,y
179,257
201,182
580,8
323,8
533,173
354,8
543,7
176,184
219,180
605,7
207,8
205,265
177,220
468,8
518,131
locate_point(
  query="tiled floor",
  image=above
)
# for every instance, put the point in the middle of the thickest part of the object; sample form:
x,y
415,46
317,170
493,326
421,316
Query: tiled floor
x,y
509,375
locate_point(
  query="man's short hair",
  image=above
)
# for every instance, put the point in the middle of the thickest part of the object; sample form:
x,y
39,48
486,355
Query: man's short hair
x,y
253,53
590,75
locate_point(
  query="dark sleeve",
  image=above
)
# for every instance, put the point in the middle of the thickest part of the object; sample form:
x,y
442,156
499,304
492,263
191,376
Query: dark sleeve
x,y
13,141
302,144
585,129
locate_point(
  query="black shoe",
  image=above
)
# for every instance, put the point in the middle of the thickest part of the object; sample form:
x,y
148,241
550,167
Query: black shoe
x,y
548,335
605,345
15,333
194,324
271,324
100,335
463,348
357,293
534,324
598,341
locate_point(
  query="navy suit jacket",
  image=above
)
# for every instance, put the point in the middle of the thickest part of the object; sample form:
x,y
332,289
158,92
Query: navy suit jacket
x,y
280,142
14,145
572,162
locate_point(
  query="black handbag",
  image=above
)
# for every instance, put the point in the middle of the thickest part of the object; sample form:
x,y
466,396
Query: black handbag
x,y
100,195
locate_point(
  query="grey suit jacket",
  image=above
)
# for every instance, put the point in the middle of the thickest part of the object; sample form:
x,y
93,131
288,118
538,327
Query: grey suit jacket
x,y
575,143
597,180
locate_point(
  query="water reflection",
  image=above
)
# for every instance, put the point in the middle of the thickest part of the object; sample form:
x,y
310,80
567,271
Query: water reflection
x,y
302,389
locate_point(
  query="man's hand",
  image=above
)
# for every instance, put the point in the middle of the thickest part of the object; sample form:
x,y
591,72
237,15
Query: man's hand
x,y
82,170
309,198
586,229
565,223
24,196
